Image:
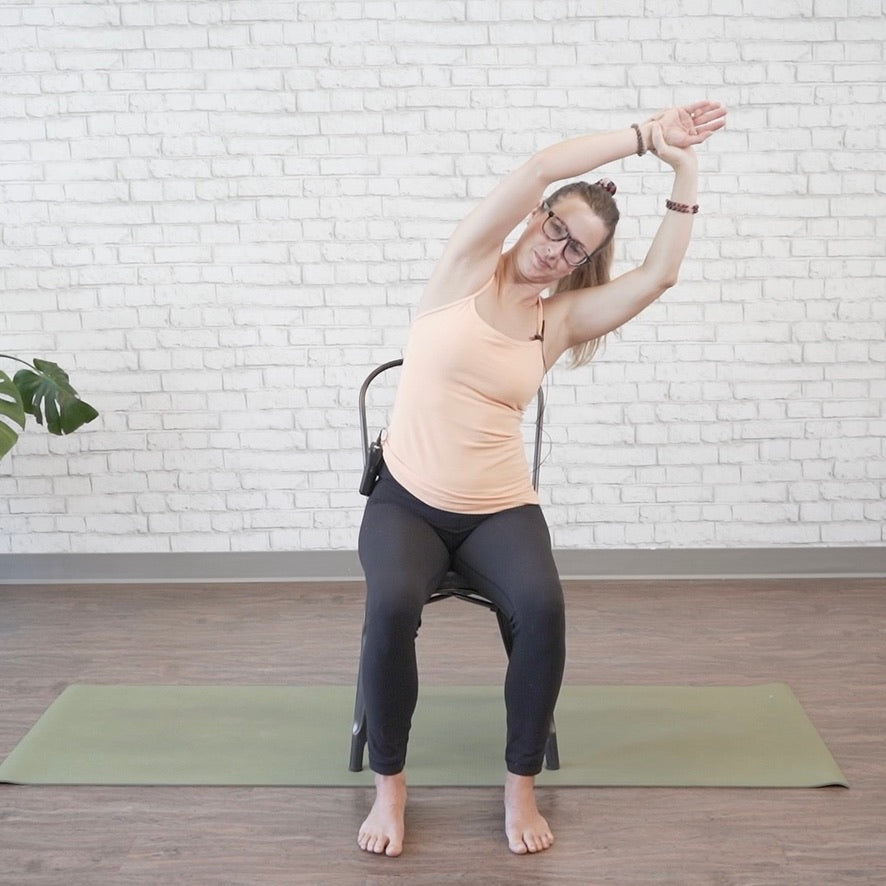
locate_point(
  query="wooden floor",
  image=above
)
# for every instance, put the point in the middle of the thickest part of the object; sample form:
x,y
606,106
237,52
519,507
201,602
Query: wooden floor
x,y
823,637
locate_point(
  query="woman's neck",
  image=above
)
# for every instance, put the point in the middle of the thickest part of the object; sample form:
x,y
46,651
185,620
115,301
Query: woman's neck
x,y
511,288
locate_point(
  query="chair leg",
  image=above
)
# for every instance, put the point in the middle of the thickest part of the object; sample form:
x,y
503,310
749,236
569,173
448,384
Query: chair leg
x,y
358,728
552,750
358,745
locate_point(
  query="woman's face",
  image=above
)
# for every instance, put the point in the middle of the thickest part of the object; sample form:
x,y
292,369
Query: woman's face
x,y
546,259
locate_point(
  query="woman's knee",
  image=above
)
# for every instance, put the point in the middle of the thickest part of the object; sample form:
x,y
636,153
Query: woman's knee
x,y
540,609
394,601
395,598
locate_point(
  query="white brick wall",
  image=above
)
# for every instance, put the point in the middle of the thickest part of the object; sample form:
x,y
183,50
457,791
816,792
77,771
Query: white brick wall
x,y
218,215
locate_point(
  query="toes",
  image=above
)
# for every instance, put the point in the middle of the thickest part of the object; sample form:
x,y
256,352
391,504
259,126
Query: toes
x,y
371,843
530,843
539,845
379,844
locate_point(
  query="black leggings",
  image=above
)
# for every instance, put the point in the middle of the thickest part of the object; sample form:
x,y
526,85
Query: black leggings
x,y
406,547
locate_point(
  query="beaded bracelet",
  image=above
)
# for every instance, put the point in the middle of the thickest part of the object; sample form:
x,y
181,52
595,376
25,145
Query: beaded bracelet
x,y
641,147
681,207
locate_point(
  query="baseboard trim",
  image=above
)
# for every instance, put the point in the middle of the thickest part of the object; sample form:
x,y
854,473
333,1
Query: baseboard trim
x,y
248,566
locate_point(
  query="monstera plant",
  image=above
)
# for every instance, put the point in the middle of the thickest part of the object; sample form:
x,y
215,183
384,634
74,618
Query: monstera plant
x,y
43,389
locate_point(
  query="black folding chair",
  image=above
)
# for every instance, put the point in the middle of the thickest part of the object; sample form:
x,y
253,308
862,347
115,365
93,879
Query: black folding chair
x,y
452,585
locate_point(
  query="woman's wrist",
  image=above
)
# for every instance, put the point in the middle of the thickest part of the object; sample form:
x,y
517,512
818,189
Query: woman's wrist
x,y
683,208
684,162
646,133
643,134
641,144
684,190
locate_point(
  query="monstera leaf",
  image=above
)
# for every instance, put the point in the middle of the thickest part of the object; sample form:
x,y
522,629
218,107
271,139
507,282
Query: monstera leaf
x,y
44,391
11,410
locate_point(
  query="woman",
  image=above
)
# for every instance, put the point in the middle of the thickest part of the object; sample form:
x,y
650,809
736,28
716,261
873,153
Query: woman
x,y
455,490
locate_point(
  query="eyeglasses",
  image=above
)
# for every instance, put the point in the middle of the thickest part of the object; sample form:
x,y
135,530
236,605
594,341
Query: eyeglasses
x,y
554,229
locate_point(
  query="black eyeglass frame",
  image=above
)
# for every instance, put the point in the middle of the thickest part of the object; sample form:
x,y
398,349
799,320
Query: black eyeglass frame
x,y
568,238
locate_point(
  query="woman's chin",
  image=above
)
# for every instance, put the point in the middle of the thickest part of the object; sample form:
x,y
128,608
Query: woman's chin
x,y
538,271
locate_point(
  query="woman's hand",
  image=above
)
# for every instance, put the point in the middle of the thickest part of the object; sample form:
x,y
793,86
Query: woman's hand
x,y
690,125
676,157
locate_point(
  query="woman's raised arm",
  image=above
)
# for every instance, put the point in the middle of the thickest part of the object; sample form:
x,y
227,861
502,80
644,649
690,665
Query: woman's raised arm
x,y
592,313
473,250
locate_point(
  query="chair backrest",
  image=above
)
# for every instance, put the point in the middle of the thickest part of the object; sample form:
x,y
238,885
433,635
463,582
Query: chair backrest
x,y
392,364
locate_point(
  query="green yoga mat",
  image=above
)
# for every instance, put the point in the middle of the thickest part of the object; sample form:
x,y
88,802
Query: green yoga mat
x,y
754,736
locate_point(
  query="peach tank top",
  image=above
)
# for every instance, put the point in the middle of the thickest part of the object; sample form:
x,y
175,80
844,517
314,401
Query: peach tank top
x,y
455,438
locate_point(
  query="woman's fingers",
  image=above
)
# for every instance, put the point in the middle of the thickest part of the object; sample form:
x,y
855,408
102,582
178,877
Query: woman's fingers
x,y
713,113
710,128
703,107
690,125
705,118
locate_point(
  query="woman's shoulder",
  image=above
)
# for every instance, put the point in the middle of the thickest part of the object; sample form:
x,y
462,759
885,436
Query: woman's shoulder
x,y
452,285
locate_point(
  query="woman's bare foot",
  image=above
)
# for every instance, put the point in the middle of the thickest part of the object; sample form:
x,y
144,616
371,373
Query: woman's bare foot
x,y
525,828
384,828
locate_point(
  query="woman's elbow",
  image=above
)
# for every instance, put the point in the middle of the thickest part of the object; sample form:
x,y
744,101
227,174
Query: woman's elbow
x,y
660,276
660,282
541,168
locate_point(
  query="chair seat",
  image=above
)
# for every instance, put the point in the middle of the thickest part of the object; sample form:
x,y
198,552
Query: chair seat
x,y
456,585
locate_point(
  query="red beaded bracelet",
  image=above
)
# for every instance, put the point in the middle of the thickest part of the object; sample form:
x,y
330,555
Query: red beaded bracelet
x,y
681,207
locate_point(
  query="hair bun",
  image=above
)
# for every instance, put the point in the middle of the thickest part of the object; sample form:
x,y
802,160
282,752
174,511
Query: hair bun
x,y
607,184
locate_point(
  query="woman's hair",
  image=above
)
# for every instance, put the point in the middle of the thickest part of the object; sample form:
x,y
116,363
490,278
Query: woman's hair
x,y
596,271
